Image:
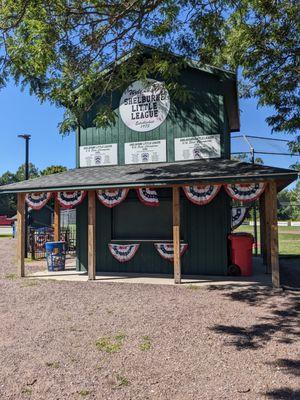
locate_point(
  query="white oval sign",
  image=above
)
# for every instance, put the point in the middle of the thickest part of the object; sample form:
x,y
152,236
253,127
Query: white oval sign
x,y
144,105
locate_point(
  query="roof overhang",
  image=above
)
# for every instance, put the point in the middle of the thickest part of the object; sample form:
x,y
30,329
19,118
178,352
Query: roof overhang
x,y
154,175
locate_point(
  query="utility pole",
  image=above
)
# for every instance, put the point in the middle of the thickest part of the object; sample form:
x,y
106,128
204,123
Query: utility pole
x,y
252,153
26,138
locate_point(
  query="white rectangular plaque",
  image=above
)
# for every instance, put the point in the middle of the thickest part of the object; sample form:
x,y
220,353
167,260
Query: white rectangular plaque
x,y
98,155
197,147
151,151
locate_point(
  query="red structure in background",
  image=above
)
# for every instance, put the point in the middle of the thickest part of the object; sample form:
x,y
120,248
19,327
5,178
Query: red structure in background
x,y
5,221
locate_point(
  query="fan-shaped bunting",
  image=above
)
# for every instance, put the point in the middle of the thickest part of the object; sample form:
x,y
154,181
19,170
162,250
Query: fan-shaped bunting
x,y
111,197
245,192
37,200
123,252
148,196
238,214
166,250
70,199
201,194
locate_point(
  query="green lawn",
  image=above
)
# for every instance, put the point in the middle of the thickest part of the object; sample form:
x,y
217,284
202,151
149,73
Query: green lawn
x,y
289,238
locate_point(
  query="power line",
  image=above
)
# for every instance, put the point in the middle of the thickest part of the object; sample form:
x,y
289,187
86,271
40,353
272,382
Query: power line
x,y
266,152
260,137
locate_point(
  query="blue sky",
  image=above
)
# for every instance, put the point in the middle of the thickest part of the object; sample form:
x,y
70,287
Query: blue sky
x,y
22,113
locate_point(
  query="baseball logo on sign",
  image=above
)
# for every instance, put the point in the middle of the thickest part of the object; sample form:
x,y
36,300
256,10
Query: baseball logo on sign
x,y
144,105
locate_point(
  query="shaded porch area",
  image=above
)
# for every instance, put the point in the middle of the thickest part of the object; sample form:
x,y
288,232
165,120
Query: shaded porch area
x,y
259,277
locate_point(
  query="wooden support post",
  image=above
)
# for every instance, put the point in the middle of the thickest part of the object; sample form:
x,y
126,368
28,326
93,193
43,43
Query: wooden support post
x,y
272,232
56,221
91,235
20,234
263,233
176,234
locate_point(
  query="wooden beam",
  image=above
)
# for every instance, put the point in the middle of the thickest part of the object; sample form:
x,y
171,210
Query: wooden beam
x,y
56,220
20,234
272,232
263,233
91,235
176,234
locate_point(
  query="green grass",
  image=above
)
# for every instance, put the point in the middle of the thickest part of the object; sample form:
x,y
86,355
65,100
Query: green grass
x,y
146,343
84,392
122,381
289,238
54,364
192,287
110,345
30,282
27,391
11,276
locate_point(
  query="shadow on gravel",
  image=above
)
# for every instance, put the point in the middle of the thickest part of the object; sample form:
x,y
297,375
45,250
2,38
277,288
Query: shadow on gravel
x,y
283,394
290,272
281,322
286,365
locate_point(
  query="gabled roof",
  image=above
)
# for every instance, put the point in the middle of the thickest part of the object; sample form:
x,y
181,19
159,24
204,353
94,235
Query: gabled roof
x,y
149,50
150,175
229,78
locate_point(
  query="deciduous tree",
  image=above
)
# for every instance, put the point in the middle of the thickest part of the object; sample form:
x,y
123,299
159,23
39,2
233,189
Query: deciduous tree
x,y
60,48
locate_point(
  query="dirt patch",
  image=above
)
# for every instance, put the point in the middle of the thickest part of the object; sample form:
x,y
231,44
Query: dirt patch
x,y
92,340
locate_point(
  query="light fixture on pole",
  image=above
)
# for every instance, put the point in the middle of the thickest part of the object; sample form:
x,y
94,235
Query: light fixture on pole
x,y
26,138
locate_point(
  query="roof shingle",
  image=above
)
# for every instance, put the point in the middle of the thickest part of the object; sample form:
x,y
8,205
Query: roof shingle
x,y
162,174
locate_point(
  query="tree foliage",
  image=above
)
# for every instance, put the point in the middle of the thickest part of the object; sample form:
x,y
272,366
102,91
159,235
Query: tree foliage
x,y
8,203
247,158
60,48
289,204
53,169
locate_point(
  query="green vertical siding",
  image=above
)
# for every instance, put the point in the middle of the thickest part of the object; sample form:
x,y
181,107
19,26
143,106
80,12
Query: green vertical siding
x,y
204,228
203,114
81,236
226,136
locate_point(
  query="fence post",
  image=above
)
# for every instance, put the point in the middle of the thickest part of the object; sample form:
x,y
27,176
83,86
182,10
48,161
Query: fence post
x,y
32,243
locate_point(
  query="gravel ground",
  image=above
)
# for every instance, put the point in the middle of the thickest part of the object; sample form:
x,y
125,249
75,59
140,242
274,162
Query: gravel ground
x,y
91,340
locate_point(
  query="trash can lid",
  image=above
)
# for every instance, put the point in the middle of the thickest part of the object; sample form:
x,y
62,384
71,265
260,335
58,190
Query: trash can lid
x,y
60,242
243,234
241,237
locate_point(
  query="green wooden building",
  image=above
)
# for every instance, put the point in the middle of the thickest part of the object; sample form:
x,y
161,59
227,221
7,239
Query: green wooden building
x,y
212,110
174,148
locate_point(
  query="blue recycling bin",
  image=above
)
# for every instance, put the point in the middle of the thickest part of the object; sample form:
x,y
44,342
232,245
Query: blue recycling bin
x,y
55,255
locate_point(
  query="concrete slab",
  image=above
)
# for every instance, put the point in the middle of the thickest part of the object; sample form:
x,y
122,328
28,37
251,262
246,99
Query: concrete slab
x,y
70,274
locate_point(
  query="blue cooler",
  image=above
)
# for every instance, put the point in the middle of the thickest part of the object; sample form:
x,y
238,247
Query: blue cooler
x,y
56,255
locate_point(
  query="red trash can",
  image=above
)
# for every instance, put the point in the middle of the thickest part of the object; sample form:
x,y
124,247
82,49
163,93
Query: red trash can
x,y
241,251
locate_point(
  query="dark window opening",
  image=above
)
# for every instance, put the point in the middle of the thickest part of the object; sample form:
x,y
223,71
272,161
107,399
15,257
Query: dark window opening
x,y
132,220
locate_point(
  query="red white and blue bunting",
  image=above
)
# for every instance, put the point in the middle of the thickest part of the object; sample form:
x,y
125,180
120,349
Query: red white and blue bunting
x,y
245,192
123,252
111,197
148,196
201,194
70,199
238,215
166,250
37,200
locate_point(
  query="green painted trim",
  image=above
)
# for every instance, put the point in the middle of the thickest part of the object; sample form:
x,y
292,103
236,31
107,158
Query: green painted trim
x,y
77,145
